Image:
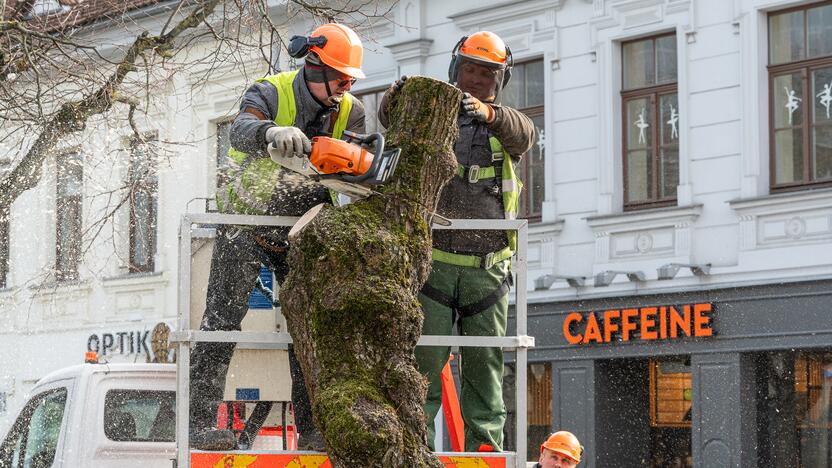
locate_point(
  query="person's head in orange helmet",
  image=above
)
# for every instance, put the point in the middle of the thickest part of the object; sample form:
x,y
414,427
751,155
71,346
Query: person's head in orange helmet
x,y
560,450
481,65
333,61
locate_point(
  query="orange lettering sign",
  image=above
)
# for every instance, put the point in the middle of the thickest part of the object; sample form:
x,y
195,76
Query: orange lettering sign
x,y
643,324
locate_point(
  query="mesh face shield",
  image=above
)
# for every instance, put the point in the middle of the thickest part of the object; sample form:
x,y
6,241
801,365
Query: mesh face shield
x,y
479,77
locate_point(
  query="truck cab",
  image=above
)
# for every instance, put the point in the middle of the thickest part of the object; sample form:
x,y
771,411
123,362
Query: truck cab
x,y
98,416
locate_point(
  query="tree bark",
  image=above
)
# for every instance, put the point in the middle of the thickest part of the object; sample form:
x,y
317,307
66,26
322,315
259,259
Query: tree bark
x,y
350,297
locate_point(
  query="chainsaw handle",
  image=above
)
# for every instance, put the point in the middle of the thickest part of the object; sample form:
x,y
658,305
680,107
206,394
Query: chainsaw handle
x,y
378,138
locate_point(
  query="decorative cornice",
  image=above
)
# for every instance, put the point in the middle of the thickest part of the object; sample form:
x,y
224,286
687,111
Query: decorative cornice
x,y
502,12
634,220
783,202
550,229
407,50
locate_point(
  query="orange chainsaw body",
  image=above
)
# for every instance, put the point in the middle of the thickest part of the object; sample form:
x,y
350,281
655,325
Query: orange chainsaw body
x,y
333,156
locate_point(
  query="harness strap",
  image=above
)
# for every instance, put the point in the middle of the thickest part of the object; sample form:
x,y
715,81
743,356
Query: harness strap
x,y
470,309
472,261
487,301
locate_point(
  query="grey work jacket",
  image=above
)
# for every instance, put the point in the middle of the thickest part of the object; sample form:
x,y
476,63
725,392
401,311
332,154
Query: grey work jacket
x,y
297,193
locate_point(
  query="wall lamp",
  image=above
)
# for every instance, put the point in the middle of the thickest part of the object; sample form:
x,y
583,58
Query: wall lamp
x,y
546,281
667,272
605,278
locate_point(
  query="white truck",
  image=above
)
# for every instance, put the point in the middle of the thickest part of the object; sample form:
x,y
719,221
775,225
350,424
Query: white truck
x,y
96,415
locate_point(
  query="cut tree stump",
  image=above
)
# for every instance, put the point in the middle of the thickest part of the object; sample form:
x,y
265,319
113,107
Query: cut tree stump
x,y
351,296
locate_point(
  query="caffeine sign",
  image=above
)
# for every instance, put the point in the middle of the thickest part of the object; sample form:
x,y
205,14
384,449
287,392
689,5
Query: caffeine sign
x,y
667,322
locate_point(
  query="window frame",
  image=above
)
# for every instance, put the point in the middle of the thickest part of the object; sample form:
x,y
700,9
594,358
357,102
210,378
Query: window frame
x,y
151,189
221,166
804,67
62,203
5,246
524,168
378,92
653,93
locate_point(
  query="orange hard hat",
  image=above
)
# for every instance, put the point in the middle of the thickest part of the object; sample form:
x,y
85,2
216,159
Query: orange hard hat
x,y
342,50
485,47
564,443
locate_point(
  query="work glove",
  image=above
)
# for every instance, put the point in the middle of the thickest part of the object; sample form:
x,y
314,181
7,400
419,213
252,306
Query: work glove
x,y
288,141
474,108
397,85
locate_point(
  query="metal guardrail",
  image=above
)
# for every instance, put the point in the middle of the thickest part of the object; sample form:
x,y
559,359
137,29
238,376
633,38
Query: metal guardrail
x,y
185,337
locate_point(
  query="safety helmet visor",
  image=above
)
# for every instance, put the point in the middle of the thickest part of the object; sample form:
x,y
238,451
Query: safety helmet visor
x,y
480,78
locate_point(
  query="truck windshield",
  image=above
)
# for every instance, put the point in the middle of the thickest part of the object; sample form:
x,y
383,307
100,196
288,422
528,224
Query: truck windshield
x,y
33,440
139,415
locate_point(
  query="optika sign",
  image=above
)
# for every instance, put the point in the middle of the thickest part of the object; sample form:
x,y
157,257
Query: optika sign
x,y
665,322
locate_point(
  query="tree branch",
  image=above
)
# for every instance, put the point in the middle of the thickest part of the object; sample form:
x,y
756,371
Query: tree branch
x,y
72,116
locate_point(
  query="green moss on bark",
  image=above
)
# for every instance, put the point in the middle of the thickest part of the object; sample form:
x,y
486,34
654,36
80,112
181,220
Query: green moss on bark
x,y
350,298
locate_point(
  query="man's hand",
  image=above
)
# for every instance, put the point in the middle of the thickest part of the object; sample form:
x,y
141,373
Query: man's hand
x,y
288,141
397,85
474,108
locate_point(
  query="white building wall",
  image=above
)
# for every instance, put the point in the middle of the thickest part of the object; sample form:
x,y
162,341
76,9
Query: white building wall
x,y
724,216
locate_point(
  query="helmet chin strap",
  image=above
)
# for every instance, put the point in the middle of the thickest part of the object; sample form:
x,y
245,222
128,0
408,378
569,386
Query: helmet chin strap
x,y
326,83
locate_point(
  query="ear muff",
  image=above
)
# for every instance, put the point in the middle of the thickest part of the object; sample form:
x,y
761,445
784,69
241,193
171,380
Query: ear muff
x,y
299,45
509,65
452,68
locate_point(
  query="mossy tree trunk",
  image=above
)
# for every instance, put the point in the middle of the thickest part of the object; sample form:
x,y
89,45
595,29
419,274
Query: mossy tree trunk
x,y
350,298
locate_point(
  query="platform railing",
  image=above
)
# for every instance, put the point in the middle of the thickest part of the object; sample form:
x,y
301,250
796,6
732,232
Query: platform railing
x,y
195,223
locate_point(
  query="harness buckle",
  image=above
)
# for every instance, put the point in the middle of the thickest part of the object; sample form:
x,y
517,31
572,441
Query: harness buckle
x,y
474,174
497,156
488,260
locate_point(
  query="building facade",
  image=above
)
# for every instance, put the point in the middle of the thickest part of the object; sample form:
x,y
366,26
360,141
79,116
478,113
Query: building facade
x,y
680,207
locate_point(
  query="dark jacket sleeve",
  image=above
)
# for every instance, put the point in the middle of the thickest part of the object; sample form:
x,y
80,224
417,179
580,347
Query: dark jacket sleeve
x,y
382,116
248,132
514,129
356,121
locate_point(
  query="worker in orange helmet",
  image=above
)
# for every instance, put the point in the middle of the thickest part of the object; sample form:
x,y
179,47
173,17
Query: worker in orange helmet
x,y
560,450
286,110
471,270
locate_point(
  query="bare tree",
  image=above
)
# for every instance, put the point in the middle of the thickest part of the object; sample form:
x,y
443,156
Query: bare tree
x,y
102,66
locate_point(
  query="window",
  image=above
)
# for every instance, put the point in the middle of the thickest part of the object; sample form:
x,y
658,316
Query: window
x,y
143,186
371,100
671,394
651,122
223,145
33,439
539,409
140,415
525,93
4,247
800,97
68,216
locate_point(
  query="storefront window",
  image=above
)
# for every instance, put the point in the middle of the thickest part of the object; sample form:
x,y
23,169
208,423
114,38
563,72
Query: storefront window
x,y
794,392
813,393
539,407
670,412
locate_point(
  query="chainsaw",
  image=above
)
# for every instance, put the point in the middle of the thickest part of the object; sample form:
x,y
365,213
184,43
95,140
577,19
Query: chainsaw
x,y
351,166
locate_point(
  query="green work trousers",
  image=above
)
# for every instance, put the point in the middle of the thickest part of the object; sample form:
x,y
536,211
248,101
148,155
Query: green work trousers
x,y
481,374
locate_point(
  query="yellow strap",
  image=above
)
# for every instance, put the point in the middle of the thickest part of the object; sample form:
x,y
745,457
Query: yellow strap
x,y
482,172
473,261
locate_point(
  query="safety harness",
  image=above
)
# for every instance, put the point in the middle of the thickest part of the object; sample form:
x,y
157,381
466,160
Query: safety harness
x,y
256,178
506,182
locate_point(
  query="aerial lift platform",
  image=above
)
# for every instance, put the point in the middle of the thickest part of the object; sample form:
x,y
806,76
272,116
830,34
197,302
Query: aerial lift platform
x,y
199,227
